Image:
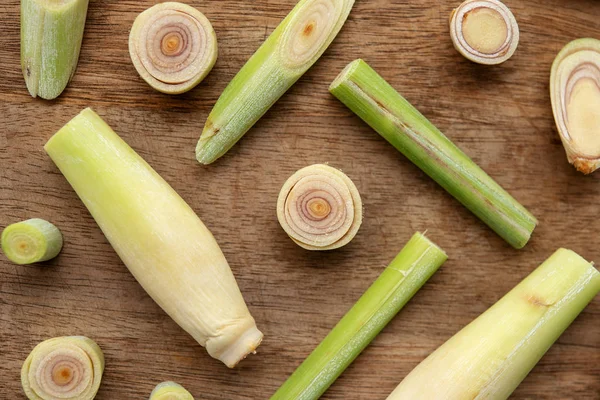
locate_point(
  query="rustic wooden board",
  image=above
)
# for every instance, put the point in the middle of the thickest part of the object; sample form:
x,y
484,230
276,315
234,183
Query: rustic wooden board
x,y
501,116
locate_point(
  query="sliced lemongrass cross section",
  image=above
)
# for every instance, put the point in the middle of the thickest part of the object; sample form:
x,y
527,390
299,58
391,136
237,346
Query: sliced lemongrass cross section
x,y
68,367
173,47
575,95
170,391
31,241
484,31
320,208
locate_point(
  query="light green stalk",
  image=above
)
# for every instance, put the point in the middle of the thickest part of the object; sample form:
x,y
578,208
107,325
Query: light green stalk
x,y
31,241
396,285
294,46
494,353
170,391
51,34
157,235
367,94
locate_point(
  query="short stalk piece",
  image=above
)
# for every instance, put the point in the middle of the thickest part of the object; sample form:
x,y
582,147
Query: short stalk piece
x,y
367,94
68,367
283,58
31,241
170,391
484,31
173,47
396,285
575,95
320,208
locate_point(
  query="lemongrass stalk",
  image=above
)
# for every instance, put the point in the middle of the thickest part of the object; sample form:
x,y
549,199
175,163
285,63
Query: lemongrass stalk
x,y
68,367
31,241
396,285
51,35
484,31
366,93
157,235
319,208
170,391
173,47
294,46
490,357
575,95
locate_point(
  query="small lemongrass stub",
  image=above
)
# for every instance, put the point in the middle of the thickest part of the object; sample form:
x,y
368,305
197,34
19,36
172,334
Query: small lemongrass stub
x,y
68,367
575,95
170,391
31,241
173,47
484,31
320,208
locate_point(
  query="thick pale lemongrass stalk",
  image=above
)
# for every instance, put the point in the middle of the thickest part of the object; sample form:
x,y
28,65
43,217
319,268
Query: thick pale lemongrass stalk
x,y
68,367
51,34
484,31
490,357
367,94
157,235
31,241
575,95
319,208
283,58
173,47
396,285
170,391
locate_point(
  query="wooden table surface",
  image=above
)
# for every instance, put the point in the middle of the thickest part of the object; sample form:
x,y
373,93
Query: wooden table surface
x,y
500,116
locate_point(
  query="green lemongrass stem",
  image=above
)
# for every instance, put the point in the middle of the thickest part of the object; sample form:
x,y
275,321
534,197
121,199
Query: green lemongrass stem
x,y
294,46
31,241
157,235
170,391
396,285
368,95
51,35
68,367
490,357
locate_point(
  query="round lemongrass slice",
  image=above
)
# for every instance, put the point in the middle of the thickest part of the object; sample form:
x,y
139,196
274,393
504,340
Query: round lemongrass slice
x,y
31,241
68,367
575,95
319,208
170,391
484,31
173,47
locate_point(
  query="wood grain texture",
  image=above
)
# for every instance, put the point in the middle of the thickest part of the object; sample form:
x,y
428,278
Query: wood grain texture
x,y
501,116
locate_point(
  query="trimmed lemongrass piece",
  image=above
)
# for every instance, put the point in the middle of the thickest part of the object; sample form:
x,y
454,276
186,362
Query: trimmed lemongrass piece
x,y
413,266
575,95
319,208
173,47
484,31
68,367
490,357
157,235
51,35
367,94
295,45
31,241
170,391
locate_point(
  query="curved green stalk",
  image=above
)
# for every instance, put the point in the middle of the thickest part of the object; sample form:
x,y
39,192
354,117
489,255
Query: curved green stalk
x,y
31,241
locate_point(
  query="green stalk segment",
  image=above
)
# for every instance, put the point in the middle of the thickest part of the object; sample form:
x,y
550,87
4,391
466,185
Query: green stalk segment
x,y
295,45
170,391
51,35
368,95
490,357
396,285
31,241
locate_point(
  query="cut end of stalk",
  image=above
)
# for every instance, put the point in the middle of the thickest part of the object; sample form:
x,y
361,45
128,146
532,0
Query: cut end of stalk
x,y
346,72
170,391
173,47
575,95
245,344
320,208
484,31
31,241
